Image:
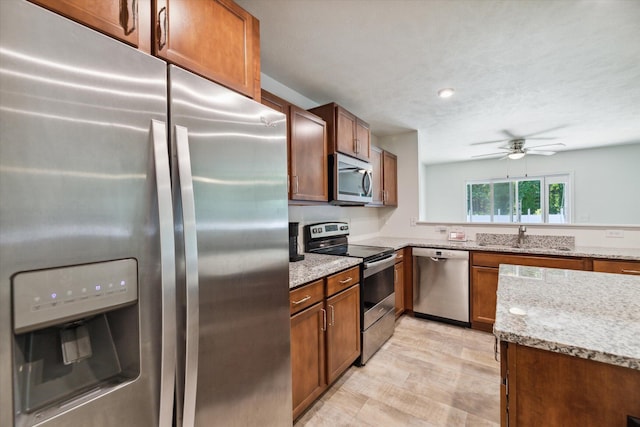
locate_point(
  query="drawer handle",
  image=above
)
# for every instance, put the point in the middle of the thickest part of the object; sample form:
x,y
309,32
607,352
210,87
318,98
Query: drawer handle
x,y
631,271
347,280
307,298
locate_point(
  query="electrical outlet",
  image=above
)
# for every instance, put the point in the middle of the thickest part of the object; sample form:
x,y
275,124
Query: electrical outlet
x,y
412,221
618,234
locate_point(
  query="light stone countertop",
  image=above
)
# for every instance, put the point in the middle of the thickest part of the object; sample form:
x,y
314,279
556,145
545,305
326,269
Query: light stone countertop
x,y
632,254
316,266
580,313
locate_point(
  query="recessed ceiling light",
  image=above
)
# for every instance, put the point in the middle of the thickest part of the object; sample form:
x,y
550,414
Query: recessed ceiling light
x,y
446,92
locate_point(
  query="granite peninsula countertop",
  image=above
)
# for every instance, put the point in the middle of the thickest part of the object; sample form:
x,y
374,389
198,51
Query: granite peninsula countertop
x,y
580,313
631,254
316,266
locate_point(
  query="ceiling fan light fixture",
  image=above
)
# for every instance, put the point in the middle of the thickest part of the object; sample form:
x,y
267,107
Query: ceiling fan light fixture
x,y
515,156
446,92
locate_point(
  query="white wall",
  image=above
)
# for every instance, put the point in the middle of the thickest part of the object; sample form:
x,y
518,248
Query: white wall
x,y
605,186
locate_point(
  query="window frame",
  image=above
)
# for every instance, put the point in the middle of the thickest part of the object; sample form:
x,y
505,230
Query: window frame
x,y
515,213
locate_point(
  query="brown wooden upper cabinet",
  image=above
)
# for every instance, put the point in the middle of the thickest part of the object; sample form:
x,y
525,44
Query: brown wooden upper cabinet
x,y
309,173
347,133
306,151
214,38
126,20
389,179
384,177
377,190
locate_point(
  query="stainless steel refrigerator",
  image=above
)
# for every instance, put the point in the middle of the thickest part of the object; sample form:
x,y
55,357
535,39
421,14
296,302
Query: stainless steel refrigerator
x,y
143,238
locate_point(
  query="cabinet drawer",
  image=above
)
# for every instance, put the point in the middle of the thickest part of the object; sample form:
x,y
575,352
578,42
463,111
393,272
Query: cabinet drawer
x,y
399,255
343,280
489,259
306,296
620,267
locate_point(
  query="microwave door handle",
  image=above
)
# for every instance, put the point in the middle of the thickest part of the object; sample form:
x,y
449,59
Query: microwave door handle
x,y
367,182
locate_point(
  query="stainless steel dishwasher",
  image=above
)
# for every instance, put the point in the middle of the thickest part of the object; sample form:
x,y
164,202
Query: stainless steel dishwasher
x,y
441,285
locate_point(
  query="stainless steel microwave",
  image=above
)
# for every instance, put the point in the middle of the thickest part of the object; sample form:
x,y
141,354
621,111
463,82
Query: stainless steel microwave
x,y
351,181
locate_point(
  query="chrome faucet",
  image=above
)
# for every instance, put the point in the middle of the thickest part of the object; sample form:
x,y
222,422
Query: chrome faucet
x,y
521,230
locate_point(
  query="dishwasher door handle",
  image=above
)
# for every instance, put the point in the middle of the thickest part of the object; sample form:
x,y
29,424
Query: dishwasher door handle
x,y
437,259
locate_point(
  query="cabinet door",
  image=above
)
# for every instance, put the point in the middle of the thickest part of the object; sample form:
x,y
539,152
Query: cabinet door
x,y
484,285
308,156
126,20
619,267
376,163
390,178
343,332
399,287
308,357
363,140
214,38
345,132
274,102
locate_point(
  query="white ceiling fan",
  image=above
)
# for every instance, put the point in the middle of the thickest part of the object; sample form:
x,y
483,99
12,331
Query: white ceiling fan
x,y
515,149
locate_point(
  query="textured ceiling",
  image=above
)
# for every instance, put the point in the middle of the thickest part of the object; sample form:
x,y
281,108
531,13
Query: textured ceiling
x,y
518,66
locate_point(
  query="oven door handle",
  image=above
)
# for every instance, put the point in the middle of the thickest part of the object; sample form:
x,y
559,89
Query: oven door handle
x,y
371,268
382,261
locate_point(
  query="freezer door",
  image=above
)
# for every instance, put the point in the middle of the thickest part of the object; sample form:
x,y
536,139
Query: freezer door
x,y
82,125
230,179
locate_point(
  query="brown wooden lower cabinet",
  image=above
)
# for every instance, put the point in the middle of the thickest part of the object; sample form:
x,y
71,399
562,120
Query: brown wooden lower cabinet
x,y
343,331
619,267
325,337
399,286
484,280
484,286
309,377
543,388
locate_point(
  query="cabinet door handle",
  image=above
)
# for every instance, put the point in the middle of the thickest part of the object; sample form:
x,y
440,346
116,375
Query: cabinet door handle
x,y
296,184
333,316
630,271
306,298
324,319
161,29
345,281
355,145
124,16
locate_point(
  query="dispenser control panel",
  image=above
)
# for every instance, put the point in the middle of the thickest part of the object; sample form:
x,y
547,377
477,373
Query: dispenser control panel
x,y
48,297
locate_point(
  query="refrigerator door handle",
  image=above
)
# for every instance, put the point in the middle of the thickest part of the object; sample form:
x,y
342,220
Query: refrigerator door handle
x,y
168,271
191,272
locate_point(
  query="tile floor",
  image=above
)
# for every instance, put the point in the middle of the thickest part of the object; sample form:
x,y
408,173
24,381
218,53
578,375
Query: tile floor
x,y
427,374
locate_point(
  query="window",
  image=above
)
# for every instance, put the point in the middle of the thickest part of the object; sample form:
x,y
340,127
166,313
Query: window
x,y
538,200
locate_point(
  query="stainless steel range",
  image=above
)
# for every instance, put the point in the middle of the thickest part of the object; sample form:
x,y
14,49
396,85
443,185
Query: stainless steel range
x,y
377,296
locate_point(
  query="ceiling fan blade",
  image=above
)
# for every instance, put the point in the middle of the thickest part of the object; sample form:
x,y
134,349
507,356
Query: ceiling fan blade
x,y
489,142
560,144
541,138
504,157
543,131
509,134
488,155
541,152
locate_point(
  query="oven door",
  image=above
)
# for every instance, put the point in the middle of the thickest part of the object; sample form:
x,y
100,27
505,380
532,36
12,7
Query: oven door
x,y
377,290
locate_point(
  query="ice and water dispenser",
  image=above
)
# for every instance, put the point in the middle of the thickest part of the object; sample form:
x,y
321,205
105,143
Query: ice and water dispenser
x,y
75,330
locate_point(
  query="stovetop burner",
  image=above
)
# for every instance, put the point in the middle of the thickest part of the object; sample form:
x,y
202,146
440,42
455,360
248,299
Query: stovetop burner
x,y
331,239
